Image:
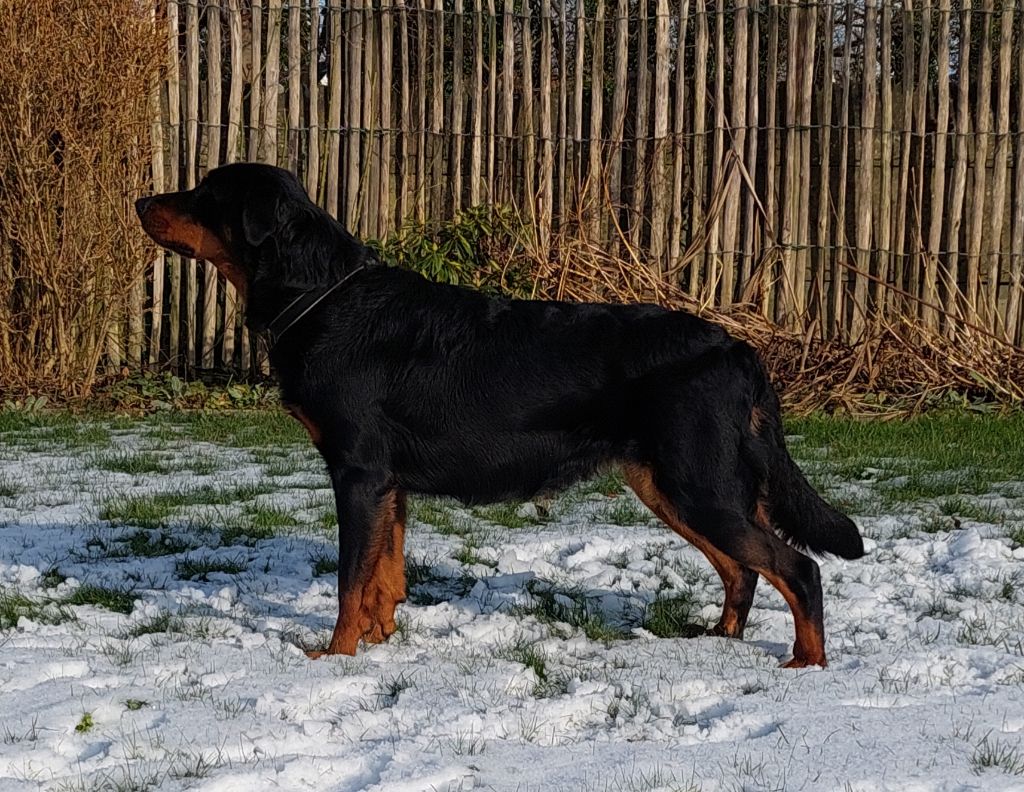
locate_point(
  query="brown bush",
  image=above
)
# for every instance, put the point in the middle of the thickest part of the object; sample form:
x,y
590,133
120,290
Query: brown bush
x,y
74,153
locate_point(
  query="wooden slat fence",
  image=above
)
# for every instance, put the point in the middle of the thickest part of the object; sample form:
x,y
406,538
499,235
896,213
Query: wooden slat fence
x,y
838,163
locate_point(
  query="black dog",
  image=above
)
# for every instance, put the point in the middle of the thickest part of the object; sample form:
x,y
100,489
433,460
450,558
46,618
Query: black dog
x,y
409,386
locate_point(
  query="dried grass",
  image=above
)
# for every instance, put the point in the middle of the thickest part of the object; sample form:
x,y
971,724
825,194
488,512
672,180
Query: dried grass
x,y
74,153
896,369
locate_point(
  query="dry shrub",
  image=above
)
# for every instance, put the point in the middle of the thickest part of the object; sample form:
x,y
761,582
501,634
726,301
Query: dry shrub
x,y
895,370
74,153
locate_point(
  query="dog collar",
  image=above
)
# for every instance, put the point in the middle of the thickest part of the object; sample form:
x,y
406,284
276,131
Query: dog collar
x,y
294,311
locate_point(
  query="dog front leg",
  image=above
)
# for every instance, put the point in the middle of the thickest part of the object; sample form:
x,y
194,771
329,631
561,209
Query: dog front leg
x,y
367,509
387,582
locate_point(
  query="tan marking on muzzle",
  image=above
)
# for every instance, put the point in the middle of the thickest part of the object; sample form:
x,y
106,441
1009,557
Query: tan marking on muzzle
x,y
169,229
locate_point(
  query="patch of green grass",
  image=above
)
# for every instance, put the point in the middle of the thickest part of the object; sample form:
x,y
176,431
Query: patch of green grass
x,y
937,523
555,606
159,429
953,506
236,534
123,422
325,564
674,617
163,622
993,445
390,688
193,568
10,737
465,744
85,723
154,510
131,776
14,420
213,496
197,626
467,556
971,509
257,523
112,599
135,463
507,514
1016,534
328,520
245,429
978,631
264,521
925,485
999,755
14,606
186,765
200,465
438,514
282,466
1008,589
52,578
226,709
144,511
622,511
850,503
134,705
147,544
74,434
549,684
267,454
8,487
119,653
938,608
607,483
431,511
428,588
418,571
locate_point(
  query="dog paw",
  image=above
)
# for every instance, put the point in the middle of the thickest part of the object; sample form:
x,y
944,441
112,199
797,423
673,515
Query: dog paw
x,y
802,662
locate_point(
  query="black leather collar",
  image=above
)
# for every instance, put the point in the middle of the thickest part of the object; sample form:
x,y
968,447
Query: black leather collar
x,y
297,309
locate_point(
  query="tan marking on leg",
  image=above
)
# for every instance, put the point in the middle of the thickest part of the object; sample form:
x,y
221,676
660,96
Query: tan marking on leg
x,y
739,583
809,648
351,624
368,611
736,605
387,587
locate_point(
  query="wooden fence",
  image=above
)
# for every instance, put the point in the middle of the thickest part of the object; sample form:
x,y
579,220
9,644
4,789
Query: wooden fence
x,y
836,163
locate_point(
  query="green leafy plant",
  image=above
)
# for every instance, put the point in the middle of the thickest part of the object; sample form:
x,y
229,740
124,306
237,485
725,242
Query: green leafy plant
x,y
164,391
482,247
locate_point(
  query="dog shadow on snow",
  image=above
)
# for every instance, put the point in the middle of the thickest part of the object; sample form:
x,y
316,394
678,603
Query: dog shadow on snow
x,y
287,585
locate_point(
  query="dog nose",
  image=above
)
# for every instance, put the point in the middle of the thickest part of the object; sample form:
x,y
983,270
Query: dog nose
x,y
141,205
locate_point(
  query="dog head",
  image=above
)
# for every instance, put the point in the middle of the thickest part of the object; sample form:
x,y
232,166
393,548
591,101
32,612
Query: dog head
x,y
254,222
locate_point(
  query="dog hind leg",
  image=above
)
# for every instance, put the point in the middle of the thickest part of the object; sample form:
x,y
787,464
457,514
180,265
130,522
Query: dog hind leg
x,y
738,581
729,532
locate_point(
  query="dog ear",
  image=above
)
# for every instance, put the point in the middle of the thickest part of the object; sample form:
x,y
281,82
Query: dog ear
x,y
260,217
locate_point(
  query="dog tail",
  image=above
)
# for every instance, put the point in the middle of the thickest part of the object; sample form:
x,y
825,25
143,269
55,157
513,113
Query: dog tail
x,y
788,502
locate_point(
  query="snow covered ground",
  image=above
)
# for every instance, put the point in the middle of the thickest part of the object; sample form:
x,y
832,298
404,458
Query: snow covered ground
x,y
155,589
